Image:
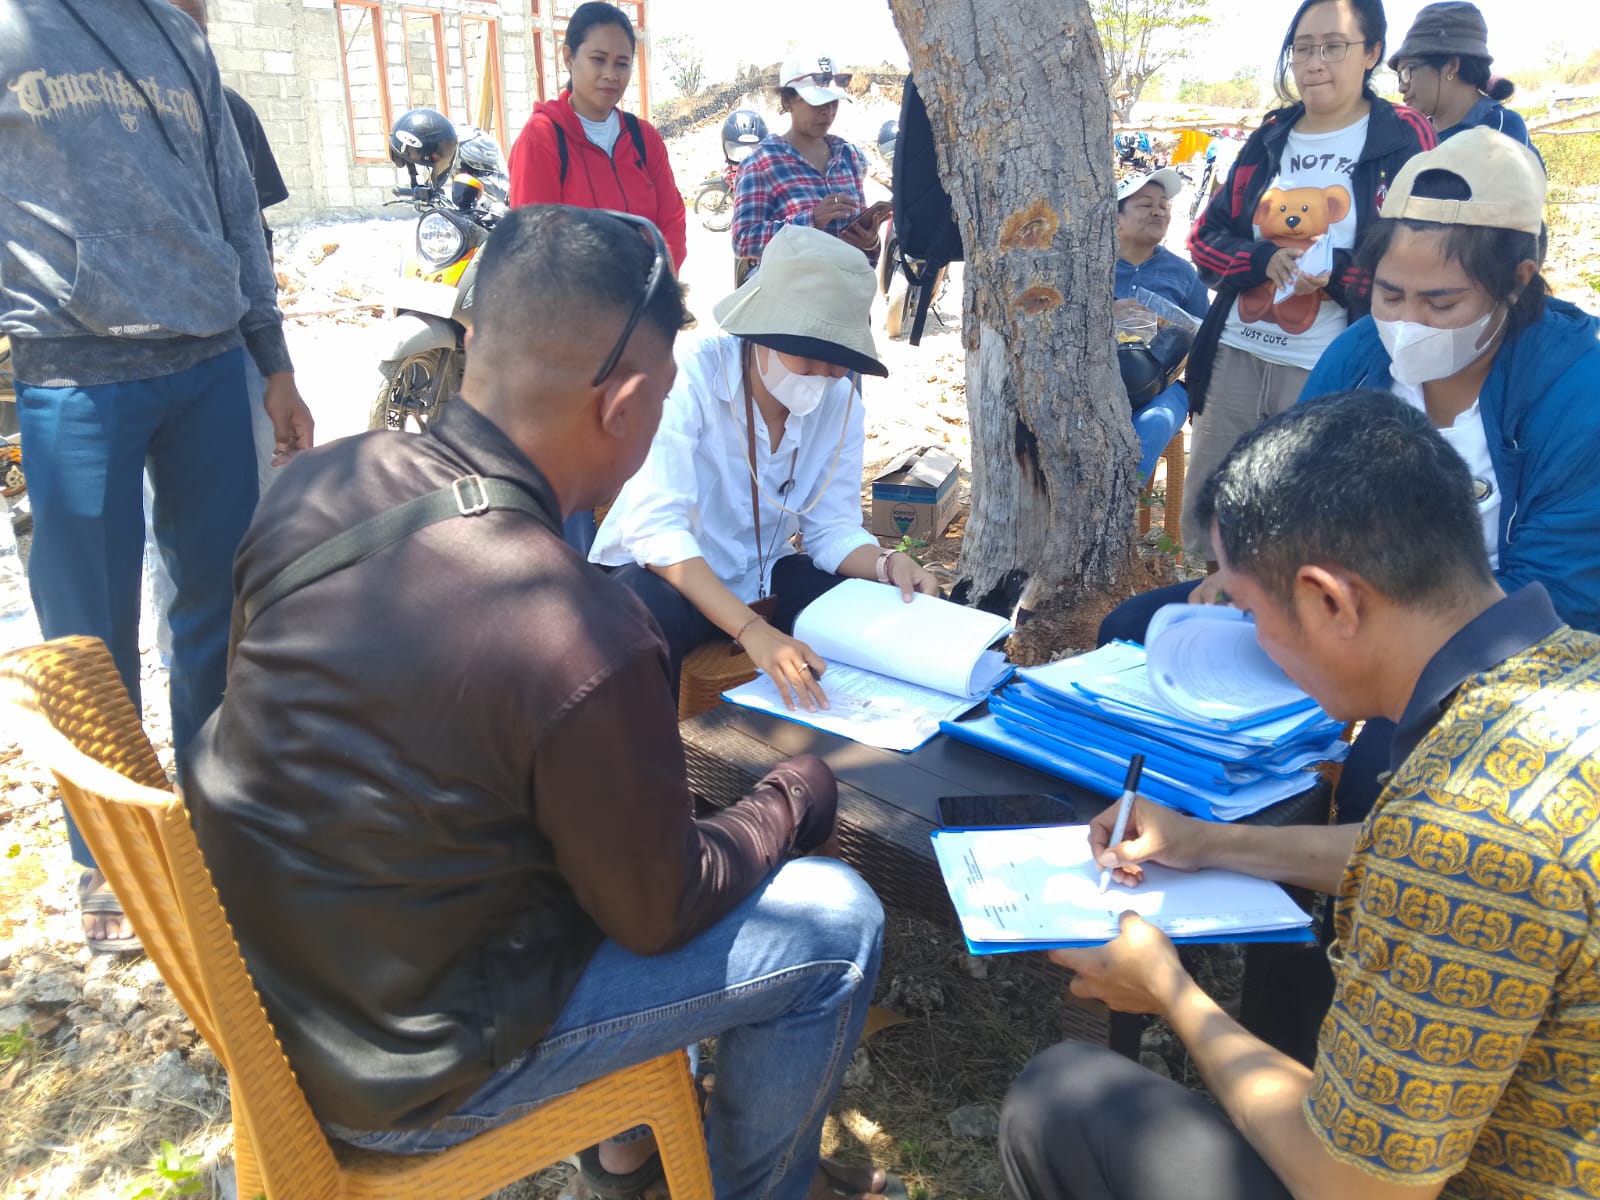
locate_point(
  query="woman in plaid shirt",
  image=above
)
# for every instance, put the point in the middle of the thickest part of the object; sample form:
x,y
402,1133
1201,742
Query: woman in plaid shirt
x,y
807,176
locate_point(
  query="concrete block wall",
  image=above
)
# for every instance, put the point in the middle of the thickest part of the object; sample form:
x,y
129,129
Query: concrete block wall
x,y
284,57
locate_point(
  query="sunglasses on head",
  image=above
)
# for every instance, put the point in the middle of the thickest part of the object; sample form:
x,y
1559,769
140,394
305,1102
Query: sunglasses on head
x,y
660,269
823,79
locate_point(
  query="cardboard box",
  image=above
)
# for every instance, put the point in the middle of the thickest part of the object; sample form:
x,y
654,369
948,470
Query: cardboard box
x,y
915,495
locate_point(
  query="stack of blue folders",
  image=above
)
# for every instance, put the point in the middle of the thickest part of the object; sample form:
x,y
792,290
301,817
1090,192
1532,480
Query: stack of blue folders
x,y
1082,717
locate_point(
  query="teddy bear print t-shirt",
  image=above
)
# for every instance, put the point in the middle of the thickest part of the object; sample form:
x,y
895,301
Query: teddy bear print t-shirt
x,y
1312,194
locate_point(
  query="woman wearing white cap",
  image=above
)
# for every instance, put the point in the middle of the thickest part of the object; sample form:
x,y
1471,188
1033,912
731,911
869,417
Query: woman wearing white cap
x,y
1463,328
807,176
762,436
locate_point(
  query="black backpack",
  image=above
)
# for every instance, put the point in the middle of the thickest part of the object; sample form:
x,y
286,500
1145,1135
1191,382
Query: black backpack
x,y
924,224
629,122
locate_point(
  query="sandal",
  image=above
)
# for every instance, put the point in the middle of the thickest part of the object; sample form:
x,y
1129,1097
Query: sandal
x,y
609,1186
101,901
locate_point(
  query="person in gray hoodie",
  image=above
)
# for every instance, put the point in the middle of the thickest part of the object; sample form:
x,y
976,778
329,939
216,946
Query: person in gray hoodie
x,y
133,273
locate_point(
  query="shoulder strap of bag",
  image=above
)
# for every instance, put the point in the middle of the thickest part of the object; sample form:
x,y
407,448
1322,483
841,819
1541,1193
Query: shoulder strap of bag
x,y
637,134
469,496
561,148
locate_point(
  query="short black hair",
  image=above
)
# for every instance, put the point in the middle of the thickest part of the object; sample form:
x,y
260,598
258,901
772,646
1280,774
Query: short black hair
x,y
1359,481
1489,256
549,268
1374,29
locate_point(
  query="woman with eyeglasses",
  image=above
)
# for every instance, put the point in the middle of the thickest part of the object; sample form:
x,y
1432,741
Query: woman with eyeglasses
x,y
806,176
581,149
762,437
1314,172
1443,69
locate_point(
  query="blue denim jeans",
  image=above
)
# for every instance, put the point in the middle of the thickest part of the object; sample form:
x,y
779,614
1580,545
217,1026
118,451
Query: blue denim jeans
x,y
783,982
85,451
1155,424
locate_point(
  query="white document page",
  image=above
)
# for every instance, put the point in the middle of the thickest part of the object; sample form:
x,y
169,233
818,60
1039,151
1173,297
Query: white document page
x,y
1042,885
872,709
1204,660
930,641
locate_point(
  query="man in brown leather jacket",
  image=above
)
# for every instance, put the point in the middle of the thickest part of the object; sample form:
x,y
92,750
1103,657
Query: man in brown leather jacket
x,y
444,800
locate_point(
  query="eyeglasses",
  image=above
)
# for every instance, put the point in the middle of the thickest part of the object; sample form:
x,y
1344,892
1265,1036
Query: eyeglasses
x,y
1329,52
822,79
660,269
1404,72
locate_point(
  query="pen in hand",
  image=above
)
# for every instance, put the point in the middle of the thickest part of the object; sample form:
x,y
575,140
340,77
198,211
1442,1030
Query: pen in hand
x,y
1124,807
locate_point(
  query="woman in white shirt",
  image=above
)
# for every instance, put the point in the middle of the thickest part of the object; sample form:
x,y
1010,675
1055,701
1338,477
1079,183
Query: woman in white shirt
x,y
762,437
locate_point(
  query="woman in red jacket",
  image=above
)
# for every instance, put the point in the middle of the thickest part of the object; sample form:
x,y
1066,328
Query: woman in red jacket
x,y
581,149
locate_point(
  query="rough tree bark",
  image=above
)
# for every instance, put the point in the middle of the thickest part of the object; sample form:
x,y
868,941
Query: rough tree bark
x,y
1016,93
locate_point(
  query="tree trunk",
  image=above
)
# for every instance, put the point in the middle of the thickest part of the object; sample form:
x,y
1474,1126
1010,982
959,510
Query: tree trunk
x,y
1017,97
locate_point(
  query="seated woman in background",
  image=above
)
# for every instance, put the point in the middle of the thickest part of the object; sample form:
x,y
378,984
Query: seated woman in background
x,y
806,176
1462,328
762,436
1443,67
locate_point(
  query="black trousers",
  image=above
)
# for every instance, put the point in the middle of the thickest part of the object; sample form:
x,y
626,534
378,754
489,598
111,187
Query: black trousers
x,y
796,582
1084,1123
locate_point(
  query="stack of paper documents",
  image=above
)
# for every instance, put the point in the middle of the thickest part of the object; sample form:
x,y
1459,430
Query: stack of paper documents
x,y
894,670
1039,889
1223,731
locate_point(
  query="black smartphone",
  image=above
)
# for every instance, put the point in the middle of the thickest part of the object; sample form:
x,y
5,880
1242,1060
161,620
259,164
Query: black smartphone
x,y
991,812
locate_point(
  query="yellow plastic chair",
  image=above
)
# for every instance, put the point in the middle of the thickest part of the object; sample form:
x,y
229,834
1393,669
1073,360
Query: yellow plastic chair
x,y
78,721
1172,504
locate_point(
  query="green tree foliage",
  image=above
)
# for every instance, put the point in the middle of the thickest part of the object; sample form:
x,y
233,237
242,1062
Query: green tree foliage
x,y
1138,38
1242,91
685,62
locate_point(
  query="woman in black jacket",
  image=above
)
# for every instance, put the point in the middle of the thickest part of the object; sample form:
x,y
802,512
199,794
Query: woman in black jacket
x,y
1318,168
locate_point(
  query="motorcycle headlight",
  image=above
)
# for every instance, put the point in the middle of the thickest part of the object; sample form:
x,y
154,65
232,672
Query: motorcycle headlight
x,y
438,239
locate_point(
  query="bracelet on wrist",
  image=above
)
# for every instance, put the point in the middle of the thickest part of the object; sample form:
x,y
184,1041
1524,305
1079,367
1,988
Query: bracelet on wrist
x,y
883,564
738,638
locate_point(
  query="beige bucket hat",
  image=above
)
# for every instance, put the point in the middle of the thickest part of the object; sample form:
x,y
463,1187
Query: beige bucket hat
x,y
811,297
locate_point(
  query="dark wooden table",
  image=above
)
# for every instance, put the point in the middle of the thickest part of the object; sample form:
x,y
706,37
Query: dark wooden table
x,y
888,807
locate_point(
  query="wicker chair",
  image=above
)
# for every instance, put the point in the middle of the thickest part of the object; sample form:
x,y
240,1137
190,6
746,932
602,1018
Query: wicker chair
x,y
77,719
1172,504
707,672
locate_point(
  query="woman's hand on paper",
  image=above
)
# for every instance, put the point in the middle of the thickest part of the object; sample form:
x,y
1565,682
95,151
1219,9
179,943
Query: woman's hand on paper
x,y
1139,972
793,666
911,577
1154,834
1281,266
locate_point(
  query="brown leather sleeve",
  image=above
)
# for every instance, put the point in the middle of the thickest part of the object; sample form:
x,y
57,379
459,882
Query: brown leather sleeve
x,y
610,794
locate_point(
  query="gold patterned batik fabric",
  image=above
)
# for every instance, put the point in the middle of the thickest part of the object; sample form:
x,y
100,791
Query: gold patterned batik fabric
x,y
1463,1043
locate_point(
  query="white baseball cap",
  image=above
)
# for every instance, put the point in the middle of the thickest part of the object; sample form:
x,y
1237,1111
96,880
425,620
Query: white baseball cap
x,y
816,79
1169,179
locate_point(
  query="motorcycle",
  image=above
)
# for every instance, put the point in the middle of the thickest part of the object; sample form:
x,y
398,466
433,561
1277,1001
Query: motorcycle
x,y
431,301
713,203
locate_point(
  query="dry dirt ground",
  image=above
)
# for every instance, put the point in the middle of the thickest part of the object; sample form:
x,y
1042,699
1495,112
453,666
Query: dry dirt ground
x,y
98,1067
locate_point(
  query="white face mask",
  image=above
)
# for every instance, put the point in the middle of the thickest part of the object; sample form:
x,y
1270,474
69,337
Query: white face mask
x,y
1420,354
800,394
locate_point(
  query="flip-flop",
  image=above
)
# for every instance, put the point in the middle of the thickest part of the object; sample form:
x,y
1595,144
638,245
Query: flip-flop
x,y
611,1186
103,902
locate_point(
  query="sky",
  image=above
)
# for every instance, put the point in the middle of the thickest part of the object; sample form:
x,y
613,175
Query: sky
x,y
862,32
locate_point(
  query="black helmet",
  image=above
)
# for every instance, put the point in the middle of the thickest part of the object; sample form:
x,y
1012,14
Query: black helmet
x,y
888,134
741,134
424,140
